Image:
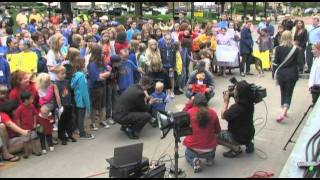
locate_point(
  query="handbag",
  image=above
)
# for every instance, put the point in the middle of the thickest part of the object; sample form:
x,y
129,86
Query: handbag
x,y
284,62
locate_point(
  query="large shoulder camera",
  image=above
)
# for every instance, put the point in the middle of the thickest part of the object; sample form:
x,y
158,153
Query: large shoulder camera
x,y
258,91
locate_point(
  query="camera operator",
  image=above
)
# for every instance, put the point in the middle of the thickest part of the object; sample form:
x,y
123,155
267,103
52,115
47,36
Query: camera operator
x,y
205,127
131,110
206,80
240,120
314,81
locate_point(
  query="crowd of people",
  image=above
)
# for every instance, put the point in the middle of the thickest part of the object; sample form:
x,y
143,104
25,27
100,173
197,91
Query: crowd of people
x,y
125,73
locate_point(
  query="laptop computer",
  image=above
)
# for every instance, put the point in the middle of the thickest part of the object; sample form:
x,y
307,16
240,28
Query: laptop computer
x,y
127,155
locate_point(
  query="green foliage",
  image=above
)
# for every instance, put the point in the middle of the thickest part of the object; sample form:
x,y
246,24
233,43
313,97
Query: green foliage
x,y
239,8
305,4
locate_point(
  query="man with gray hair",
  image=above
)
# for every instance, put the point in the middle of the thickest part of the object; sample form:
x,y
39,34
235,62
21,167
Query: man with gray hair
x,y
314,37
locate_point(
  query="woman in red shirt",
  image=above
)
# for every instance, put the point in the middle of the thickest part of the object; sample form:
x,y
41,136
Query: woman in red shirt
x,y
205,126
21,81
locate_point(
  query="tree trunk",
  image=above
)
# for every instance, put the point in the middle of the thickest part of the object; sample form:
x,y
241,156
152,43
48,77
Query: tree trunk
x,y
254,12
222,7
265,9
138,8
244,9
66,8
93,5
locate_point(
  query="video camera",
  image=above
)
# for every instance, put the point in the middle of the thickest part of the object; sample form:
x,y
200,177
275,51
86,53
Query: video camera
x,y
258,91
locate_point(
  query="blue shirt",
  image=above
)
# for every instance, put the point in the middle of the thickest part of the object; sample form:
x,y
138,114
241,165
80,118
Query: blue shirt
x,y
94,73
126,75
314,35
161,101
130,33
81,92
223,24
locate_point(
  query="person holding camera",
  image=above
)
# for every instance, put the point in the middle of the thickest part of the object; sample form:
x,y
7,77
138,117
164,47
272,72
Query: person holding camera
x,y
240,120
205,127
314,80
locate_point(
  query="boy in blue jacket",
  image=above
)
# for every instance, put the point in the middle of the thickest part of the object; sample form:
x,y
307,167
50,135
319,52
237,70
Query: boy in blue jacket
x,y
80,86
5,74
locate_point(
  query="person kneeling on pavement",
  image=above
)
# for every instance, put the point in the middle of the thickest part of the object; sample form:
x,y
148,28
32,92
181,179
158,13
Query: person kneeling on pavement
x,y
201,81
205,128
132,111
240,121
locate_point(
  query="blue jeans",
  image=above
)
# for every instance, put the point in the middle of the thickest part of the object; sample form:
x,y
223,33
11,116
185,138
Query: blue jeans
x,y
191,155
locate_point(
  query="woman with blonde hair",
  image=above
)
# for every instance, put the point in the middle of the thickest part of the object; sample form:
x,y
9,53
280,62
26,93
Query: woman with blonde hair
x,y
112,39
152,52
286,63
54,56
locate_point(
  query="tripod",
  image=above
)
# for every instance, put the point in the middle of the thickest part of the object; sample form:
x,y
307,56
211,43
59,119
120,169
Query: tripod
x,y
294,132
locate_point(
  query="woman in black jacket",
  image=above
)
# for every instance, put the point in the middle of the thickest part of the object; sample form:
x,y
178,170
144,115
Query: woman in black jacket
x,y
300,40
287,73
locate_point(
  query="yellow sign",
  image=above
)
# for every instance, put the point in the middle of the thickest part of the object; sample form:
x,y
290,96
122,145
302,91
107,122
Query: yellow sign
x,y
24,61
198,14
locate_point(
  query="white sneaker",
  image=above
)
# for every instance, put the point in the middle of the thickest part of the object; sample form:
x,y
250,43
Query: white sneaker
x,y
44,151
104,124
51,149
94,127
110,121
172,95
55,128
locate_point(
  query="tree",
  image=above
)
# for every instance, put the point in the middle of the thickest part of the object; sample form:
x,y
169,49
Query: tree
x,y
254,11
66,8
222,7
244,9
138,8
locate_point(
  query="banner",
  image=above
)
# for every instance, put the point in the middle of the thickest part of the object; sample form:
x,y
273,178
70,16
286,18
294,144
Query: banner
x,y
227,53
24,61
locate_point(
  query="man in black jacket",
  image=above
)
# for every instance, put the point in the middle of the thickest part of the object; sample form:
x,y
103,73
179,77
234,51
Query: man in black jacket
x,y
132,111
240,121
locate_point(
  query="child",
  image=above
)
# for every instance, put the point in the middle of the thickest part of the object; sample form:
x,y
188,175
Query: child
x,y
25,118
161,99
112,87
45,123
134,44
98,74
142,58
179,69
205,57
80,87
5,74
47,93
65,120
265,44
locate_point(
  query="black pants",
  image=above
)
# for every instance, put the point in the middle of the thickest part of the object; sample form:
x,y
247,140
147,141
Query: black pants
x,y
65,123
245,61
112,96
302,59
286,88
135,120
43,139
310,56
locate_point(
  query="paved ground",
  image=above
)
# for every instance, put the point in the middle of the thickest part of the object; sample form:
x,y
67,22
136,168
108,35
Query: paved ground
x,y
85,158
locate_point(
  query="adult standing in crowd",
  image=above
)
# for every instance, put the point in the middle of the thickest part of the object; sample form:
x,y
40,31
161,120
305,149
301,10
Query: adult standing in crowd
x,y
286,63
246,48
300,40
314,81
314,37
287,23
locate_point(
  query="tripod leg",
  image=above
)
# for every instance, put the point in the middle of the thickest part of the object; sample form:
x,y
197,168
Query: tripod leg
x,y
294,132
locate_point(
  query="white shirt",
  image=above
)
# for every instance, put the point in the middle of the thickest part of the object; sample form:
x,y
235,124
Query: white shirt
x,y
51,61
315,73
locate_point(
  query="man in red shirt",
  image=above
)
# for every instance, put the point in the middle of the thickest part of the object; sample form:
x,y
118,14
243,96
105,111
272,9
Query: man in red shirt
x,y
8,146
205,127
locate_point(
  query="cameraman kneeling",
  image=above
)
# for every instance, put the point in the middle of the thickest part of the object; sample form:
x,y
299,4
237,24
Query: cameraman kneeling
x,y
205,127
240,120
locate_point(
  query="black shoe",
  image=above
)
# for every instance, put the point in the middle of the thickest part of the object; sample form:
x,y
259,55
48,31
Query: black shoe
x,y
307,72
177,92
123,128
72,139
249,74
232,154
130,133
250,148
64,142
